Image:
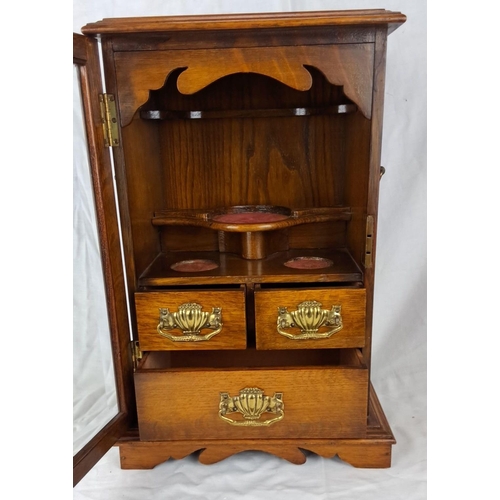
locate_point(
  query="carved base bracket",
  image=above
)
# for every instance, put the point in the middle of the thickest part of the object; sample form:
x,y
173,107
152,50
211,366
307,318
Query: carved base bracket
x,y
370,451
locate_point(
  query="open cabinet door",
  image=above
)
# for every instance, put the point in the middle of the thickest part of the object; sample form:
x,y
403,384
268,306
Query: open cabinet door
x,y
102,358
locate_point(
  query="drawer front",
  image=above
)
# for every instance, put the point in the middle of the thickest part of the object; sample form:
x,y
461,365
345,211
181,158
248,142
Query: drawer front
x,y
264,403
191,320
310,318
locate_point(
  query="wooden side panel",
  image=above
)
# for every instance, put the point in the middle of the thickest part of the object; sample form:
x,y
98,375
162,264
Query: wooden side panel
x,y
374,176
231,303
328,403
352,302
143,182
357,155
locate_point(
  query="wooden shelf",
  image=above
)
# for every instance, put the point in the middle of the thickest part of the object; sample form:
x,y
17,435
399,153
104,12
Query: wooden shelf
x,y
259,228
208,219
246,113
233,269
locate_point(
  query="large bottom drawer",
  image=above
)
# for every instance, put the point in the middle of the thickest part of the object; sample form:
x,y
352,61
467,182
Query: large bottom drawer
x,y
318,394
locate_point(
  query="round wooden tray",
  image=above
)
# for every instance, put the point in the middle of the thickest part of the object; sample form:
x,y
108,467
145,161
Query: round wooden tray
x,y
251,214
194,265
308,263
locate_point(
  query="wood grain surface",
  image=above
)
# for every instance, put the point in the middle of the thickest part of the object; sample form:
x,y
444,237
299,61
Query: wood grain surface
x,y
352,301
348,65
370,451
232,303
137,25
323,402
234,269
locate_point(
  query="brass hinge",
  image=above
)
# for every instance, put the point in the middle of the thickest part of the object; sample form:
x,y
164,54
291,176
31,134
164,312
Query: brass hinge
x,y
136,352
369,242
109,120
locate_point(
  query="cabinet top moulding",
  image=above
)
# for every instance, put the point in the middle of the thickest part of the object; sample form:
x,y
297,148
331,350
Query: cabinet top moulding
x,y
134,25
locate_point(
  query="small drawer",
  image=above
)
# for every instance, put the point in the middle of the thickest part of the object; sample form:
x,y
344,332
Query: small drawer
x,y
303,398
310,318
191,320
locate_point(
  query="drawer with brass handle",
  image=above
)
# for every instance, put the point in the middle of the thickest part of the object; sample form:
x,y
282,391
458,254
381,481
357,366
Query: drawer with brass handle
x,y
319,394
185,320
310,318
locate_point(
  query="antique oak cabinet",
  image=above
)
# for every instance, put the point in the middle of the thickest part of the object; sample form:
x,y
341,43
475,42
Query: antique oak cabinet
x,y
246,153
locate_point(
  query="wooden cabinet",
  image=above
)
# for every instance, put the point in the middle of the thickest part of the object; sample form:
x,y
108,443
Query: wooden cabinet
x,y
246,152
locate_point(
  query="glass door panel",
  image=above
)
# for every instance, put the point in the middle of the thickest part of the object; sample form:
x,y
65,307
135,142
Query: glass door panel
x,y
94,387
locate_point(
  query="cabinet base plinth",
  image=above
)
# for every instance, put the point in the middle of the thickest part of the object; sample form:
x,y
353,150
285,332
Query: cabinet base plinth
x,y
370,451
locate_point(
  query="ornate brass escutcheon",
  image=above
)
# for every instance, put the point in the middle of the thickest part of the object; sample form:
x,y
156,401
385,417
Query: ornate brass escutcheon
x,y
251,403
191,320
309,317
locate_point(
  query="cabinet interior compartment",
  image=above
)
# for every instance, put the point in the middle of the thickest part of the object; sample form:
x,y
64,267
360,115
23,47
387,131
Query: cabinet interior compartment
x,y
247,140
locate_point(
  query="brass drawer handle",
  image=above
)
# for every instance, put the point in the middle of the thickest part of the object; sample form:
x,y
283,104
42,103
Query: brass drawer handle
x,y
251,403
190,319
309,317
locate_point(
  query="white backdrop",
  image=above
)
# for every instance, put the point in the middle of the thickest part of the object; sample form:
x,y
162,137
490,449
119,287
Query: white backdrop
x,y
399,345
